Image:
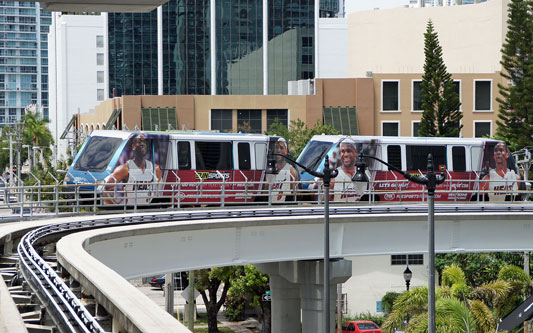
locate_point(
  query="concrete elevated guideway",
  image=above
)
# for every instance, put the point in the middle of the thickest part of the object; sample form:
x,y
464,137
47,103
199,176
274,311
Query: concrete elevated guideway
x,y
287,247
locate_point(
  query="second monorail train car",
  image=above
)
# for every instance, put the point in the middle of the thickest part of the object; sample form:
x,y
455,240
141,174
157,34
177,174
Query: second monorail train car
x,y
475,169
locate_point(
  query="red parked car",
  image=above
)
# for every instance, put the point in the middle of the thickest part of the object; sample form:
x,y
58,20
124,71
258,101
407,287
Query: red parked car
x,y
360,326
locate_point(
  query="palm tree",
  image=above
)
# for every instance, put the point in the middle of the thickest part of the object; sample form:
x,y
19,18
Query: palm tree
x,y
36,132
459,307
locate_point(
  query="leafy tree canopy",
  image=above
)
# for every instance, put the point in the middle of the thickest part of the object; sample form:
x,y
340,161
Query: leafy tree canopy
x,y
298,134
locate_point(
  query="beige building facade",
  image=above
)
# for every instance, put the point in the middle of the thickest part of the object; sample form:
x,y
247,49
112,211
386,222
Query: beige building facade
x,y
228,112
388,45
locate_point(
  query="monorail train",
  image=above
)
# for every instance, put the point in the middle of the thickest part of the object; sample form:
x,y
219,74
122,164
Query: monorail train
x,y
191,167
475,169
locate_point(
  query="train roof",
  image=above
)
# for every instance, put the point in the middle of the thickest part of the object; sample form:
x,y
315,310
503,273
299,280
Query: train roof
x,y
180,134
404,139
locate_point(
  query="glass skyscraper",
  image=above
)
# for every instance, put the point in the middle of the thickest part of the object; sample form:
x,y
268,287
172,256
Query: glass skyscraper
x,y
23,59
239,42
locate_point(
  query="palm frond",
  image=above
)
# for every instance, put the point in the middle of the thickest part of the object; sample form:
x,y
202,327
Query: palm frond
x,y
483,317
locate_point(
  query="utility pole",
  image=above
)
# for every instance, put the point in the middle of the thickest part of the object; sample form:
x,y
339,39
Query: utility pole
x,y
19,148
10,159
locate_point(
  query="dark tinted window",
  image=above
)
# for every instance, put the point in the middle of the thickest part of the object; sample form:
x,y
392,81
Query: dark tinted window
x,y
97,154
417,95
313,154
483,95
417,156
390,96
184,155
214,156
249,121
459,159
279,115
390,129
222,120
394,156
481,129
244,156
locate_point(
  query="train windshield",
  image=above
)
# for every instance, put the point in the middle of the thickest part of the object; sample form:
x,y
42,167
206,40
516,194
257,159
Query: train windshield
x,y
97,154
314,153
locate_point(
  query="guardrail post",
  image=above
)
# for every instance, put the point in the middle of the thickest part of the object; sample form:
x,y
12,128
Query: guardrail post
x,y
56,201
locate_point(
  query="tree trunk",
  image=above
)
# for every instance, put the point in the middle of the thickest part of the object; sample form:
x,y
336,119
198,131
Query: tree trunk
x,y
212,323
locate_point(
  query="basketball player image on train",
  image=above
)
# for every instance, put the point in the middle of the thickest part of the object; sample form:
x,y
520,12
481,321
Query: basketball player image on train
x,y
501,181
138,174
283,186
342,186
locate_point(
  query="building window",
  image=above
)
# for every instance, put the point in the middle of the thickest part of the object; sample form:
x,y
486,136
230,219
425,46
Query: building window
x,y
100,59
307,75
457,84
416,128
307,59
407,259
281,116
249,121
390,95
100,77
482,129
99,41
483,96
222,120
417,96
307,41
390,129
99,94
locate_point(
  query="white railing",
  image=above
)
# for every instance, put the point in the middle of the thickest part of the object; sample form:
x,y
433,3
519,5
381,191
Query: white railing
x,y
61,199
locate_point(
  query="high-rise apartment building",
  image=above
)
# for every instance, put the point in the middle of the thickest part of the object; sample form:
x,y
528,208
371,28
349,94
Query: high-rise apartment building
x,y
78,71
186,47
23,59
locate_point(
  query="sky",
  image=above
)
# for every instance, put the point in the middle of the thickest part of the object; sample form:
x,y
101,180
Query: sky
x,y
357,5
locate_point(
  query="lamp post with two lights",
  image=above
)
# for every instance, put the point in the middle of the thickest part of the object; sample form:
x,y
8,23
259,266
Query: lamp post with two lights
x,y
430,180
326,177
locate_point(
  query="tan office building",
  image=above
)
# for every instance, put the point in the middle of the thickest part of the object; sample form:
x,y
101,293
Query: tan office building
x,y
347,104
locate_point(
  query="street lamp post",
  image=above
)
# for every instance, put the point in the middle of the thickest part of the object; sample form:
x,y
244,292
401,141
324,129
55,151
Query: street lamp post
x,y
326,177
407,275
430,180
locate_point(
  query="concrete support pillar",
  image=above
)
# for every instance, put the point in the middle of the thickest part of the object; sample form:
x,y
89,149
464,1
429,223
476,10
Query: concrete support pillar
x,y
169,293
285,307
298,286
116,326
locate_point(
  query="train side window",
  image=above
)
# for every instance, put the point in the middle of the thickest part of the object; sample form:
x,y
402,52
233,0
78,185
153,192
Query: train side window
x,y
184,155
244,156
260,156
459,158
394,156
214,156
417,157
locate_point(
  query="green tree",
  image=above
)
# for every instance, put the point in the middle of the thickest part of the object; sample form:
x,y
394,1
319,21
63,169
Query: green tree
x,y
516,101
479,268
248,288
208,281
440,101
298,134
460,308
